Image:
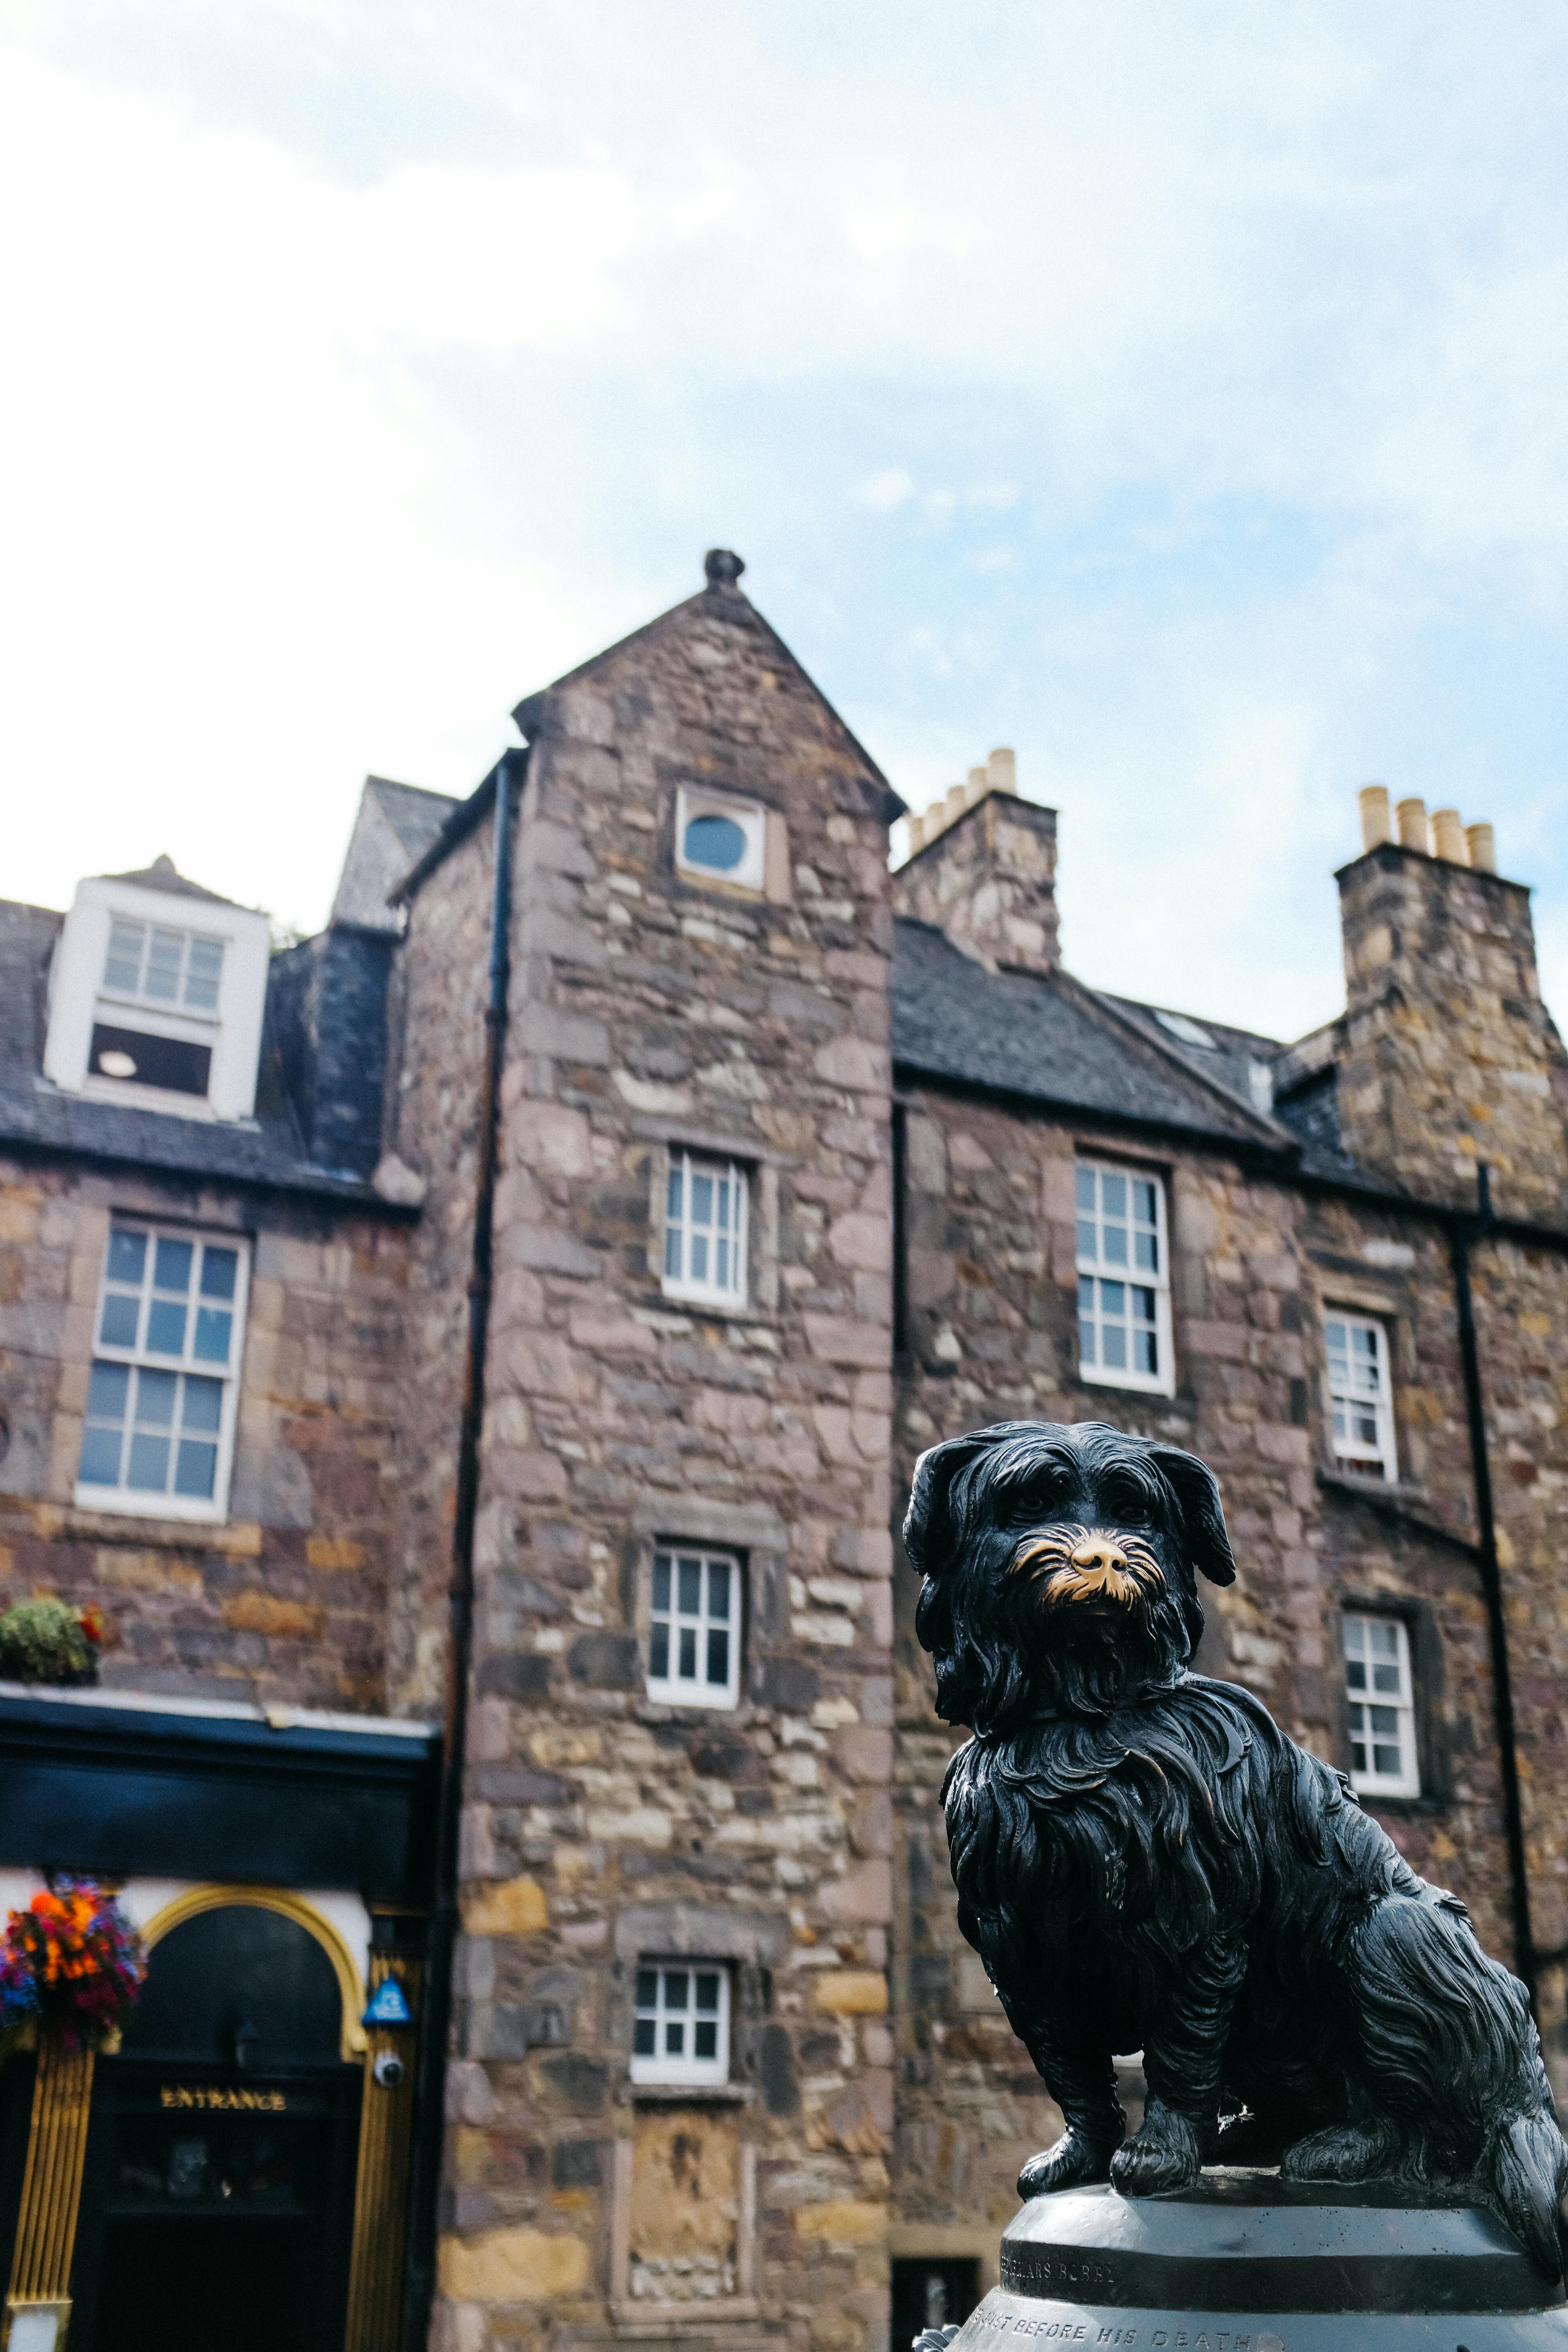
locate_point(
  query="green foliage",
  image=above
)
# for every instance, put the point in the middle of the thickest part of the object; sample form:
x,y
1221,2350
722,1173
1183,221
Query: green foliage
x,y
45,1642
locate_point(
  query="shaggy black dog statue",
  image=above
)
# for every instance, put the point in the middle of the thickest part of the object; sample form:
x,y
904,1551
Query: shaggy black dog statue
x,y
1143,1860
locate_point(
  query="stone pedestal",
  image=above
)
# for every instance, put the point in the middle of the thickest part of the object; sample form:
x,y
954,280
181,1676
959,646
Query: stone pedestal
x,y
1245,2263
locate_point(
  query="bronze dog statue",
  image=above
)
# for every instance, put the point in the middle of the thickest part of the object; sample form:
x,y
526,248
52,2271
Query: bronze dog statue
x,y
1143,1860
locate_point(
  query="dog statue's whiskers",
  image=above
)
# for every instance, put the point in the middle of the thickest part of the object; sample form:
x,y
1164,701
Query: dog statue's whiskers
x,y
1078,1563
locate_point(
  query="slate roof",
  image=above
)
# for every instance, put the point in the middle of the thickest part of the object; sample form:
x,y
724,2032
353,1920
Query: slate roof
x,y
34,1113
1057,1043
165,874
394,826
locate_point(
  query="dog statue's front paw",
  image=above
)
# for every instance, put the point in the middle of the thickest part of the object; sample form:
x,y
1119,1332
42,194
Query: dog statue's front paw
x,y
1073,2159
1163,2154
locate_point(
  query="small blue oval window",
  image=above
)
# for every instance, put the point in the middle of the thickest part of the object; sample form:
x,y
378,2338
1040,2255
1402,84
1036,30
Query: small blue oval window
x,y
716,842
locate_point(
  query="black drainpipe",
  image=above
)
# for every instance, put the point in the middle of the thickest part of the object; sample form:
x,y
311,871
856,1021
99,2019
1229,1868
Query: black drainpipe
x,y
429,2114
1462,1232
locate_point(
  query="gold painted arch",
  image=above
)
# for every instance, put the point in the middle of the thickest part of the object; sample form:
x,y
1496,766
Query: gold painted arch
x,y
351,2039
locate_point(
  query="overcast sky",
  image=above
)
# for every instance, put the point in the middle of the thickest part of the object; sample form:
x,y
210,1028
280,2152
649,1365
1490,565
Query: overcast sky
x,y
1178,395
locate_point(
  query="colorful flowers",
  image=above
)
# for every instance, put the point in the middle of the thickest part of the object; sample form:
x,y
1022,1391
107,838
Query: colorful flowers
x,y
72,1960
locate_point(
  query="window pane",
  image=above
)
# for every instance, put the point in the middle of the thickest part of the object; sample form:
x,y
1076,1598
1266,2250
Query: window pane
x,y
1337,1338
688,1669
1086,1343
1113,1245
659,1653
645,2037
647,1988
1388,1761
1114,1298
1142,1304
196,1468
661,1580
117,1328
99,1457
1355,1673
704,2041
1113,1195
718,1655
1143,1200
1144,1351
1087,1240
1086,1294
723,1204
155,1398
675,1984
149,1467
1114,1345
718,1589
672,1197
214,1327
1145,1253
708,1989
165,1329
691,1588
219,1267
203,971
701,1199
122,967
203,1403
672,1252
171,1266
108,1391
698,1257
127,1257
722,1270
163,954
1084,1189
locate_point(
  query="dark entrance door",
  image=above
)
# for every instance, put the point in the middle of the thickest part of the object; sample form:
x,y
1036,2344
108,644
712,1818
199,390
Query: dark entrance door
x,y
217,2204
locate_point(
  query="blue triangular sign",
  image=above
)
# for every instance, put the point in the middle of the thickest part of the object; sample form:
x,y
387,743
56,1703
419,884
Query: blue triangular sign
x,y
388,2005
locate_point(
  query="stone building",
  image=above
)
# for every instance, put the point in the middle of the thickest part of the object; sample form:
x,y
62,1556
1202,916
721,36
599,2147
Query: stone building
x,y
767,1167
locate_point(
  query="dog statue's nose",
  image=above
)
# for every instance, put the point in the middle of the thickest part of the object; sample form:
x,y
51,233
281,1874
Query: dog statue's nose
x,y
1099,1551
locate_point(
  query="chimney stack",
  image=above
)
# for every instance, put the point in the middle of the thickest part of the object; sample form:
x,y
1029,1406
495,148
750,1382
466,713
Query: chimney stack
x,y
982,868
1449,1056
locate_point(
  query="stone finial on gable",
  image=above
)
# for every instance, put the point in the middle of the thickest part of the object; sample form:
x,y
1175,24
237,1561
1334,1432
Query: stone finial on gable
x,y
982,868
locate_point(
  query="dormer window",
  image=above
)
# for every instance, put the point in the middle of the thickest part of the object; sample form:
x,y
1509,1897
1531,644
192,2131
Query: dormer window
x,y
162,967
156,995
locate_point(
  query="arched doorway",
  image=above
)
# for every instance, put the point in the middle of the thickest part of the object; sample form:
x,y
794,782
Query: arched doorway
x,y
217,2200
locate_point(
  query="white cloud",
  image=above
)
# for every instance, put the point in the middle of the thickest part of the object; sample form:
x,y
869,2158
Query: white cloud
x,y
884,493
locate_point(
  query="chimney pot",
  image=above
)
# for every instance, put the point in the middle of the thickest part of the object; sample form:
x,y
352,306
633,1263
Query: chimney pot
x,y
1482,844
917,834
957,801
1377,824
1001,769
975,787
723,567
1411,819
1448,836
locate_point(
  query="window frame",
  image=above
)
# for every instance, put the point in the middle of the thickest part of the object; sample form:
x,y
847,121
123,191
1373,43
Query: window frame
x,y
675,1690
751,874
686,2071
1386,1457
145,1502
680,1161
176,1006
1101,1270
1367,1782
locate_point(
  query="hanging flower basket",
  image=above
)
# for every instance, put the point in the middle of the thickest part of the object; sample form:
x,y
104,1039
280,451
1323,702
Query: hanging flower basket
x,y
71,1963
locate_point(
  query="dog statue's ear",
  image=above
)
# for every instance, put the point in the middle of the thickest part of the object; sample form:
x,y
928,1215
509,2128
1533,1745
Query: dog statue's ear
x,y
928,1529
1196,1490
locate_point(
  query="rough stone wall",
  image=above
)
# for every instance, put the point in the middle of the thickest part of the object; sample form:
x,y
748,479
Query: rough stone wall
x,y
1449,1055
652,1011
431,1108
286,1601
988,880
